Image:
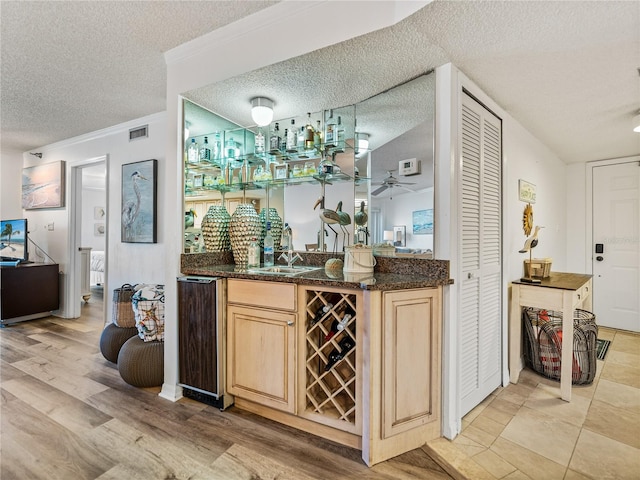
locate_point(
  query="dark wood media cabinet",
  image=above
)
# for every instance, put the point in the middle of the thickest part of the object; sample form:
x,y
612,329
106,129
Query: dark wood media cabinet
x,y
28,289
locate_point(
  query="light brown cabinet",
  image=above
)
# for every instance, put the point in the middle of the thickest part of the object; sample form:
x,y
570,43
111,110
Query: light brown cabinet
x,y
382,395
261,342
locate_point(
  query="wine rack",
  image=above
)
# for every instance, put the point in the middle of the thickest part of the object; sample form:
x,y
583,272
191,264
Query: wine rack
x,y
331,382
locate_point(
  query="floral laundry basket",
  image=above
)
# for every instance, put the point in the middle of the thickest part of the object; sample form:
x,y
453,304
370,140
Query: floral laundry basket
x,y
148,307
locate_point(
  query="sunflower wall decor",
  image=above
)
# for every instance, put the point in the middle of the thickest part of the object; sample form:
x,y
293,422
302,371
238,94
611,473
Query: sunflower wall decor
x,y
527,219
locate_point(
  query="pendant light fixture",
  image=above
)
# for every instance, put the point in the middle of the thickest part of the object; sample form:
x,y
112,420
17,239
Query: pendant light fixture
x,y
262,111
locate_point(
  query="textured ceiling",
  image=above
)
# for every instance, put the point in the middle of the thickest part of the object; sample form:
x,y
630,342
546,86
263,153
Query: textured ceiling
x,y
566,70
73,67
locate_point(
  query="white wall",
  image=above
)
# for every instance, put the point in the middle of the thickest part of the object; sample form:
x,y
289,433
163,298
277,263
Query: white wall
x,y
526,158
91,198
126,262
11,181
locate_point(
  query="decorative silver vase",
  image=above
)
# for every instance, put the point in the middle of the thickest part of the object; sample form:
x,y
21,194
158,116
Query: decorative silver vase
x,y
276,227
245,224
215,229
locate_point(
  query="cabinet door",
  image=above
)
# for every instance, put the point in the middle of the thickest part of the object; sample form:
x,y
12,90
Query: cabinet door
x,y
411,360
260,356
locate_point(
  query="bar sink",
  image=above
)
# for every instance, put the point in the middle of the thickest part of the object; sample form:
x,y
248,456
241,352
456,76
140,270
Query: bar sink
x,y
283,270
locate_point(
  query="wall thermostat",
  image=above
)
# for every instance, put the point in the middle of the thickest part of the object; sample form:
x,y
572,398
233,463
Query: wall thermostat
x,y
409,167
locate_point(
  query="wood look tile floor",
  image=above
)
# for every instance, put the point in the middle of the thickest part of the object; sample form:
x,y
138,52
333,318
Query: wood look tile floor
x,y
525,431
67,414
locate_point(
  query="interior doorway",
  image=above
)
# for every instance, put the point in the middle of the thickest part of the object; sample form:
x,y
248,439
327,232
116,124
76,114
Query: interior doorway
x,y
615,245
88,225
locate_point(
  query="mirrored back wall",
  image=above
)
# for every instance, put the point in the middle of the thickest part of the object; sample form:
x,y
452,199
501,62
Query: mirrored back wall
x,y
389,182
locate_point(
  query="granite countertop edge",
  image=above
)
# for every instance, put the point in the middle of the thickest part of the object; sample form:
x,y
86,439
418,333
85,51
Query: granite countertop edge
x,y
365,281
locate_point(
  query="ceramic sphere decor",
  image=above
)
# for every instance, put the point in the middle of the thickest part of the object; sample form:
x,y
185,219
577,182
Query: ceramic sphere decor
x,y
276,227
244,225
215,229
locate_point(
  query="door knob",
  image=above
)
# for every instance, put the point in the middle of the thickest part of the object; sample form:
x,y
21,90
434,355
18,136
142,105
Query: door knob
x,y
599,258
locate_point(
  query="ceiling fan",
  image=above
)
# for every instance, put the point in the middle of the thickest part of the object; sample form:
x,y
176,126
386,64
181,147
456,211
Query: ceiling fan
x,y
389,183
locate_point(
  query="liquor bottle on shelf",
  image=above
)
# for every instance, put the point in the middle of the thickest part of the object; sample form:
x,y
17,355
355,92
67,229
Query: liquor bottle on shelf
x,y
193,155
216,148
292,138
326,166
317,136
321,312
205,151
346,345
340,134
275,140
300,140
330,131
253,253
259,143
283,143
268,247
308,133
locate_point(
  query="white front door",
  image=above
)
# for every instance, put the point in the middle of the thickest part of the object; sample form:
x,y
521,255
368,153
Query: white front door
x,y
616,245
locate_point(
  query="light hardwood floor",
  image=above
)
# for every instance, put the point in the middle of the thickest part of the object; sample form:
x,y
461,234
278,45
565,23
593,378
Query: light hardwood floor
x,y
67,414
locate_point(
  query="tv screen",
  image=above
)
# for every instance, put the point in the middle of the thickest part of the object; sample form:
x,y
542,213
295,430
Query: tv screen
x,y
13,240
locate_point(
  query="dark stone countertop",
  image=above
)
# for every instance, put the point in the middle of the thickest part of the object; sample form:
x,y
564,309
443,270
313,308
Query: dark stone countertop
x,y
390,273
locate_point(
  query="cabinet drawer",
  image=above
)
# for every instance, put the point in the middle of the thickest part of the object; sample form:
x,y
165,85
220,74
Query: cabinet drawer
x,y
262,294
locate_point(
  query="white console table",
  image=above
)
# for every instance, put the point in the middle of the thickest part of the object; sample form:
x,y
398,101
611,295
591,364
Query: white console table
x,y
561,292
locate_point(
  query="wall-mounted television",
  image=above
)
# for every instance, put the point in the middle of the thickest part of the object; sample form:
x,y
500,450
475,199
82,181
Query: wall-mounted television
x,y
14,240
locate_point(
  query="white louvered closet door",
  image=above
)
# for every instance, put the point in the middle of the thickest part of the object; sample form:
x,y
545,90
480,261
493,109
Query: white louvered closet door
x,y
480,256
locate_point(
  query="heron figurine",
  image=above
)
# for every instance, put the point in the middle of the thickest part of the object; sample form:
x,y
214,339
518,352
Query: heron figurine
x,y
529,244
329,217
131,209
344,219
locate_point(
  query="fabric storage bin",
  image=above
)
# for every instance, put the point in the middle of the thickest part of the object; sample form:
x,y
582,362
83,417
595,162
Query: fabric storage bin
x,y
543,343
123,315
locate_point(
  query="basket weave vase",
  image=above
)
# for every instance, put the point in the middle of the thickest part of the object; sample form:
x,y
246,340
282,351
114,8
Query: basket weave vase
x,y
215,229
245,224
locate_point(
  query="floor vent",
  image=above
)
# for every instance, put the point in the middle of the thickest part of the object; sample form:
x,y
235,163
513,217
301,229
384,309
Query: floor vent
x,y
139,132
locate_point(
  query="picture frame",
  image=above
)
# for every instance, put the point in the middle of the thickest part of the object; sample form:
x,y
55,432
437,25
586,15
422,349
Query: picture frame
x,y
399,236
526,191
98,229
139,202
423,222
43,186
280,172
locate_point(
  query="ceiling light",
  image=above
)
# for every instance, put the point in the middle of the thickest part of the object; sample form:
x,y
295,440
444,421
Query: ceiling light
x,y
262,111
636,123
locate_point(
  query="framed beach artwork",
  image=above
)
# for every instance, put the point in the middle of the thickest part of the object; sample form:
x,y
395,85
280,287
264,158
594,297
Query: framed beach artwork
x,y
139,202
423,222
43,186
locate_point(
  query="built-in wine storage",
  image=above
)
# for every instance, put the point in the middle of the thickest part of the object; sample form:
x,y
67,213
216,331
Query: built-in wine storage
x,y
331,354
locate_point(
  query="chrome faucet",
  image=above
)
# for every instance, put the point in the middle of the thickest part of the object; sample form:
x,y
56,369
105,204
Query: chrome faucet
x,y
290,257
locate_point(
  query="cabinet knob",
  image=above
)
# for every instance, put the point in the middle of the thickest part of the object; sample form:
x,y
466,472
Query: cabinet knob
x,y
290,323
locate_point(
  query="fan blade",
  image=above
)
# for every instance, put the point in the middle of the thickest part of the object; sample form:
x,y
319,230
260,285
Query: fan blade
x,y
405,183
379,190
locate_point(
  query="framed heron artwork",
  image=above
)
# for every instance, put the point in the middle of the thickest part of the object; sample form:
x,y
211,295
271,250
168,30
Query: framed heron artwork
x,y
139,202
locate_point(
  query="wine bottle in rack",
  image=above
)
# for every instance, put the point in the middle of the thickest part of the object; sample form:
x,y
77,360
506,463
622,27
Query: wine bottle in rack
x,y
338,325
321,312
346,345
